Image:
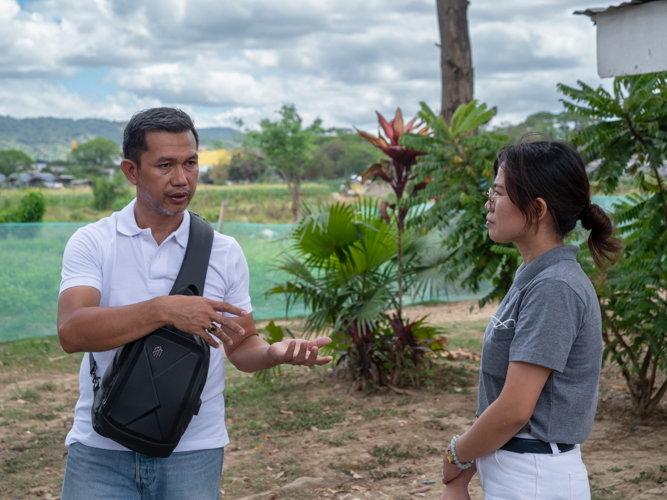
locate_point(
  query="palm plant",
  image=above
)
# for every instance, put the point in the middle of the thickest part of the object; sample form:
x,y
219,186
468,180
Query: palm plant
x,y
630,138
343,267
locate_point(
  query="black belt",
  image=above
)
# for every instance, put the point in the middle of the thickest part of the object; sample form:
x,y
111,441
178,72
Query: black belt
x,y
518,445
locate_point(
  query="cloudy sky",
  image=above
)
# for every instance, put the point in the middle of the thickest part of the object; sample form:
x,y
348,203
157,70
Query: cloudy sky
x,y
336,59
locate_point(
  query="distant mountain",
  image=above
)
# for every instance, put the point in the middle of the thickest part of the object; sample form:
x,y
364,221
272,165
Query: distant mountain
x,y
50,139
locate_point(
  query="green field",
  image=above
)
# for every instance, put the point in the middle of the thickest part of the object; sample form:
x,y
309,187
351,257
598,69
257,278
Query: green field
x,y
31,256
259,203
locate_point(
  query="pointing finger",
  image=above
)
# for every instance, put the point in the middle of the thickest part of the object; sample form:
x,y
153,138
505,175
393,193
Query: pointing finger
x,y
225,307
321,341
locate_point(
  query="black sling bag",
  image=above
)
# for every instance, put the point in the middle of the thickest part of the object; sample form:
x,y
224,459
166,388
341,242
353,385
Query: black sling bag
x,y
152,388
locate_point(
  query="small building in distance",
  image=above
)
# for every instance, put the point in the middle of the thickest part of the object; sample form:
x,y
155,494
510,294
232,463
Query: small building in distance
x,y
630,37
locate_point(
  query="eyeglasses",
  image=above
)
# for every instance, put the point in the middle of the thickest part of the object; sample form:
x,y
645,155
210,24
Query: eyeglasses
x,y
493,195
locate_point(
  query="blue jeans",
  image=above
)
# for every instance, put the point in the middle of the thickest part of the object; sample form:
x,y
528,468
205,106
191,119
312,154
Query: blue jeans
x,y
96,474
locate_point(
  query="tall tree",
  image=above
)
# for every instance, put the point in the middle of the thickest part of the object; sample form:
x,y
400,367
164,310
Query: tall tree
x,y
288,147
94,156
14,160
455,59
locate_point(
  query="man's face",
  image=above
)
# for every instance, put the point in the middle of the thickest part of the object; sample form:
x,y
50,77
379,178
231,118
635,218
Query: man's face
x,y
167,178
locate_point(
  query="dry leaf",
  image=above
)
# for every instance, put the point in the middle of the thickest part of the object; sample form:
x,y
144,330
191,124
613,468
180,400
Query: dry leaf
x,y
359,488
355,475
280,474
287,412
58,357
419,490
442,339
464,353
402,391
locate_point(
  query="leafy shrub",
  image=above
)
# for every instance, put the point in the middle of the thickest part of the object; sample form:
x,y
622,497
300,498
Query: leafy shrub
x,y
31,209
459,164
630,138
106,191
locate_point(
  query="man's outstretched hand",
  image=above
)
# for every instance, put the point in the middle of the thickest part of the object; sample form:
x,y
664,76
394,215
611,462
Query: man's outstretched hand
x,y
299,352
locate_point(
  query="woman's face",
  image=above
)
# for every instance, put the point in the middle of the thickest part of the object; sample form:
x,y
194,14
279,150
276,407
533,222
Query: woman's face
x,y
505,221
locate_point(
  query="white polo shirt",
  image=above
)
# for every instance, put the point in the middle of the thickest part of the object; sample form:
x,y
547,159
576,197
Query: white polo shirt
x,y
127,266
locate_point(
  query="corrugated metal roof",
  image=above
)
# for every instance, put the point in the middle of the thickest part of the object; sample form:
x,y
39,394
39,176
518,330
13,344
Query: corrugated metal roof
x,y
596,10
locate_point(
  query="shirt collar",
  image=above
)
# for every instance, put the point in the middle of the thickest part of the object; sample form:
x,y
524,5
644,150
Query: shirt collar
x,y
525,274
127,225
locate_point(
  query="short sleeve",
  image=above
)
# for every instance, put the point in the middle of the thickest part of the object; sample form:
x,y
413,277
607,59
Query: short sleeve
x,y
82,262
238,278
549,319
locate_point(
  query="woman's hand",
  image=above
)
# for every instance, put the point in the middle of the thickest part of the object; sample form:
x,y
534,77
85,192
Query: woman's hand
x,y
457,488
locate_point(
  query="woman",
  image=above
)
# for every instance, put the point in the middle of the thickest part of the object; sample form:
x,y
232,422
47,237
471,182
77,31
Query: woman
x,y
538,384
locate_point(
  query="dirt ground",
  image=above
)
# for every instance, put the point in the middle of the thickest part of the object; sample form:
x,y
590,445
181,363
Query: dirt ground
x,y
384,445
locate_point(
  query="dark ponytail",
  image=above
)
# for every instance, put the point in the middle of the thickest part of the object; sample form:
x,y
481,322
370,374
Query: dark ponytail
x,y
601,242
556,172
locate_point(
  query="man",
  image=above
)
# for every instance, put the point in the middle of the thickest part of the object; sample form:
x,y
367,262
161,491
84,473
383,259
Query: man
x,y
116,277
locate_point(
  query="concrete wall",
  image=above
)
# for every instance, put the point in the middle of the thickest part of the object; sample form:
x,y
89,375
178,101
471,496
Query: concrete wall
x,y
632,40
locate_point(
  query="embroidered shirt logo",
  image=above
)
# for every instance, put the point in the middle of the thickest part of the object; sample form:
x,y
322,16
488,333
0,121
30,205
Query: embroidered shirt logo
x,y
501,325
157,352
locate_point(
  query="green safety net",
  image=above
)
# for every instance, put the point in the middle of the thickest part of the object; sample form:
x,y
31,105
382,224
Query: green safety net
x,y
31,260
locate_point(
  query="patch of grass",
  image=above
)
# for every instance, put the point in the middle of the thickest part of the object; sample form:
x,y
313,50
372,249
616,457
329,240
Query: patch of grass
x,y
334,440
606,494
451,376
305,415
385,454
32,395
43,416
466,335
350,435
401,472
648,476
34,354
383,413
403,401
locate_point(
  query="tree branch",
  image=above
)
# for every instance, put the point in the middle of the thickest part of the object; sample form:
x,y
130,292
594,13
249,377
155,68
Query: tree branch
x,y
617,334
624,370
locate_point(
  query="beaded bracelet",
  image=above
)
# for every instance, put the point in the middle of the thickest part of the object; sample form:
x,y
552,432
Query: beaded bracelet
x,y
456,459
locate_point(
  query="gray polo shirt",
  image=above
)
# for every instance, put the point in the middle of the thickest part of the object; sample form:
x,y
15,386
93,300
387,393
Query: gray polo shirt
x,y
550,317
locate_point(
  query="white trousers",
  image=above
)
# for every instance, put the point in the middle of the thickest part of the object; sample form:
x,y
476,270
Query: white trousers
x,y
505,475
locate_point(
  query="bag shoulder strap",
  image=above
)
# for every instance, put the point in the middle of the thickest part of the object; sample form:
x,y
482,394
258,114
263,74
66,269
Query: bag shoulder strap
x,y
197,254
192,273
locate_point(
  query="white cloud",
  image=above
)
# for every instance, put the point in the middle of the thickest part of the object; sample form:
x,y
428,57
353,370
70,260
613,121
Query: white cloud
x,y
338,60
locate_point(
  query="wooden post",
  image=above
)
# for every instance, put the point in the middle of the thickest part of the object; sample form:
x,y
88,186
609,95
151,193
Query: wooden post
x,y
221,217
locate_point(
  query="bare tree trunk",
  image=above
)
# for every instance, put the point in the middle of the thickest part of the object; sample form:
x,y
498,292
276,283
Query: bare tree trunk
x,y
294,186
455,62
